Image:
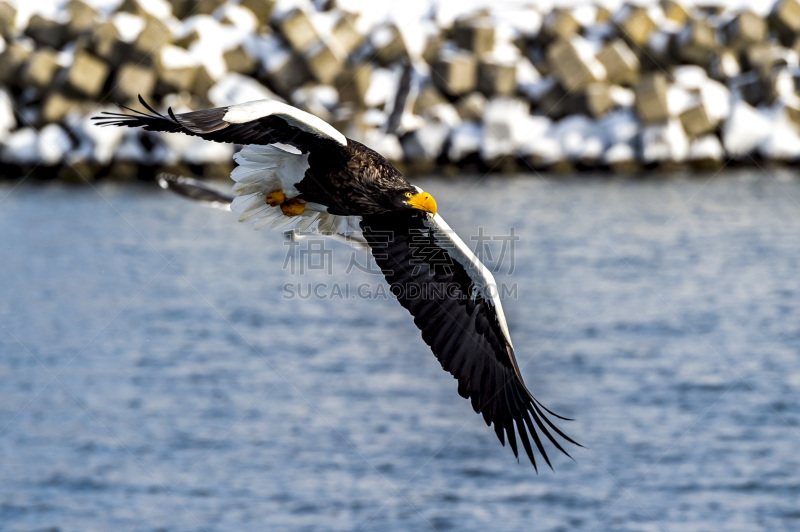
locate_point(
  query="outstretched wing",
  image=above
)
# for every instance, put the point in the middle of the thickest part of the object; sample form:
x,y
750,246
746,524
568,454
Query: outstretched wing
x,y
196,190
453,299
258,122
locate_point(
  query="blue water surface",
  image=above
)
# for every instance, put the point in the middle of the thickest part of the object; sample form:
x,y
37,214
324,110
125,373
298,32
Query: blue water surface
x,y
156,375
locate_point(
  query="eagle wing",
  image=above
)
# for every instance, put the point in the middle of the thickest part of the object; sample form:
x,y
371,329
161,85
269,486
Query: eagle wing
x,y
258,122
453,299
196,190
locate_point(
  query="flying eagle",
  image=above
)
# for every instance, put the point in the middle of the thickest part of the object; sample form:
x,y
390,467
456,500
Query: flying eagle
x,y
296,171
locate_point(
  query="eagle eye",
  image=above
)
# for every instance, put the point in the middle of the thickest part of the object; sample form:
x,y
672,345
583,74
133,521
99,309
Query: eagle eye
x,y
409,194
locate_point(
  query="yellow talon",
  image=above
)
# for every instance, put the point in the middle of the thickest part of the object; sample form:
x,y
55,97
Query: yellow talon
x,y
275,198
293,207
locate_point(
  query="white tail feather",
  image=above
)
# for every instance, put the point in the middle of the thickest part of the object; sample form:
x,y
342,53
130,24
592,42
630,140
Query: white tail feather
x,y
265,169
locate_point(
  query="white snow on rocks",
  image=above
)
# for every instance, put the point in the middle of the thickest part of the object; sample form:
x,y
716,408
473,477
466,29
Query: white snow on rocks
x,y
7,120
664,142
783,142
745,129
233,89
504,127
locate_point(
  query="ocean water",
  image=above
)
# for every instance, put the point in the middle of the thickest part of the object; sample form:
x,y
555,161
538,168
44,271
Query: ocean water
x,y
163,367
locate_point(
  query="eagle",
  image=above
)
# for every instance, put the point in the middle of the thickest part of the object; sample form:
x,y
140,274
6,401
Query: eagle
x,y
297,172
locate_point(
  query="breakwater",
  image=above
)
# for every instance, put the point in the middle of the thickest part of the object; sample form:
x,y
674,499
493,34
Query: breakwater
x,y
508,88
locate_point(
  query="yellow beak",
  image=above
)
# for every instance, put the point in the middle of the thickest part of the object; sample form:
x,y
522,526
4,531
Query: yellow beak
x,y
423,201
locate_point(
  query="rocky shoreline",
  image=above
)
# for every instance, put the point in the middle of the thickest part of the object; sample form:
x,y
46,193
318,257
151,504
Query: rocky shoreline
x,y
658,85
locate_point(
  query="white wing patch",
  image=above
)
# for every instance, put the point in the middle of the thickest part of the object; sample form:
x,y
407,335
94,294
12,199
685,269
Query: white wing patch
x,y
483,279
247,112
265,169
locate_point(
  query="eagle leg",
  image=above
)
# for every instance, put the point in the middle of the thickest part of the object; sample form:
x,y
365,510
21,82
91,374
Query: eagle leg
x,y
293,207
275,198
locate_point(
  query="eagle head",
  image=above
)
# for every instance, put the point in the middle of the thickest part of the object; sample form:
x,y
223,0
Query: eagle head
x,y
416,198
